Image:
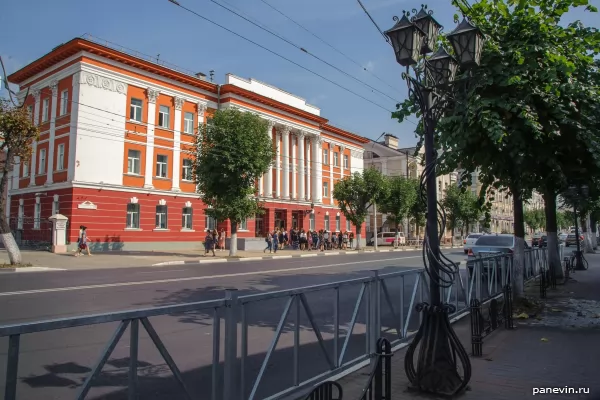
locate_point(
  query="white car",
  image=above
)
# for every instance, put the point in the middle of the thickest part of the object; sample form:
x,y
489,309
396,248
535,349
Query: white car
x,y
388,239
470,241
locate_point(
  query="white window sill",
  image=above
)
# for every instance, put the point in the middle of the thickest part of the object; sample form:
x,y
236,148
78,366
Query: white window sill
x,y
161,178
187,230
134,121
133,229
63,115
243,230
41,174
161,230
133,174
187,181
60,170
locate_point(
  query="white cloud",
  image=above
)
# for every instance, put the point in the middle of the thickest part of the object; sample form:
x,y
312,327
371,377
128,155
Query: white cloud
x,y
370,65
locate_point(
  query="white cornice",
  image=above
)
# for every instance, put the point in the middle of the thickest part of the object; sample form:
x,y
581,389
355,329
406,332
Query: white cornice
x,y
53,68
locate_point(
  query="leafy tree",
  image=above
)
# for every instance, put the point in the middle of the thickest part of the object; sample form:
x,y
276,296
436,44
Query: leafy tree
x,y
17,133
563,219
472,209
528,117
535,219
461,207
356,193
400,197
418,209
233,152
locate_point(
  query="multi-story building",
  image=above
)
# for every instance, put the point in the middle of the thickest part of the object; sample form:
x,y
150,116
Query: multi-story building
x,y
391,160
117,143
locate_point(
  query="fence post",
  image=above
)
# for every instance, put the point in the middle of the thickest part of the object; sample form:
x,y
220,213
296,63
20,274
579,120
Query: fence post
x,y
375,321
230,382
478,265
476,331
508,307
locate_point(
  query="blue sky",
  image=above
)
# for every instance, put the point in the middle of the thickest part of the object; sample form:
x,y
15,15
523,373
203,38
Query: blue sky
x,y
32,28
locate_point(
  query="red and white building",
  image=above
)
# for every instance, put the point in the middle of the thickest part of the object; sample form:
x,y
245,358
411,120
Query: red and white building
x,y
117,135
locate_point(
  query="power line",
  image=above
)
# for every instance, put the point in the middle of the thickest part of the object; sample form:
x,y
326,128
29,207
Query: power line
x,y
373,21
279,55
328,44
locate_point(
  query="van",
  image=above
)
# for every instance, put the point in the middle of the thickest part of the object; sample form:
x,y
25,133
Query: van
x,y
388,239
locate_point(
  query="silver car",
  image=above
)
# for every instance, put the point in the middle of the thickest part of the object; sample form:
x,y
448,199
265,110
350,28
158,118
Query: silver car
x,y
491,245
470,241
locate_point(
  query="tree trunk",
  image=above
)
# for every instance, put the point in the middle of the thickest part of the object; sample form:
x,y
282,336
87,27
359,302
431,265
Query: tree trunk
x,y
587,243
593,223
453,236
233,240
552,235
358,235
519,250
14,254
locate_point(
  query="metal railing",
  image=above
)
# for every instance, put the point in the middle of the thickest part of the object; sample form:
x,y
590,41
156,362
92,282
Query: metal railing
x,y
383,306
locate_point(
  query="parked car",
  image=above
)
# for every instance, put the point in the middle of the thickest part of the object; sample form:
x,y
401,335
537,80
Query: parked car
x,y
470,241
536,239
572,239
562,237
489,246
388,239
541,241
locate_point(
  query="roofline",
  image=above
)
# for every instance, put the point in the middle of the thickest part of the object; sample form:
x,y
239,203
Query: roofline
x,y
346,134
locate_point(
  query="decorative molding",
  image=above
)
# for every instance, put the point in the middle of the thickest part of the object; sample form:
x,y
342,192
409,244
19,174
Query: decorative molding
x,y
271,125
356,154
36,95
338,214
188,204
201,109
152,94
133,200
327,213
55,197
87,205
21,202
162,202
179,103
54,87
301,135
286,130
101,82
37,199
342,148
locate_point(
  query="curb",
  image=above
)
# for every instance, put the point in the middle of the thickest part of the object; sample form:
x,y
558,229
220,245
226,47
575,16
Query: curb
x,y
29,269
210,260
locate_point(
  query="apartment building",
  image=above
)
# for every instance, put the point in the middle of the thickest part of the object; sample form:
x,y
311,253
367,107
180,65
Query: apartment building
x,y
117,144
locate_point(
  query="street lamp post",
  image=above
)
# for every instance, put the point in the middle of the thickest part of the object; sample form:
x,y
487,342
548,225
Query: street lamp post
x,y
431,83
576,192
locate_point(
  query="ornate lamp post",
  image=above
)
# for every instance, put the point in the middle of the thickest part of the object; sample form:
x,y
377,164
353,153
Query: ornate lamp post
x,y
431,83
576,192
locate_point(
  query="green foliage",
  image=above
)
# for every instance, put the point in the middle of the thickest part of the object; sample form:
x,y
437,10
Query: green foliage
x,y
535,219
356,193
563,219
462,207
233,152
401,196
418,209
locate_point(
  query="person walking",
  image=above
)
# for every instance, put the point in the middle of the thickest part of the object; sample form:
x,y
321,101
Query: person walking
x,y
269,240
222,237
82,242
351,239
276,241
209,244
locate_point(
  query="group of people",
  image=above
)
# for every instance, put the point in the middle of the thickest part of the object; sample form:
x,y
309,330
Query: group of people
x,y
299,239
214,241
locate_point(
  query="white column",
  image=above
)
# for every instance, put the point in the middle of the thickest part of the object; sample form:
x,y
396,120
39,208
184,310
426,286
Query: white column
x,y
285,159
50,159
294,167
278,163
341,160
152,95
73,128
317,169
331,150
261,186
269,174
36,113
308,181
177,144
301,195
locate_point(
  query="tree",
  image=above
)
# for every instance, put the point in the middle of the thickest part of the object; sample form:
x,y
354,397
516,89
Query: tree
x,y
356,193
535,219
529,109
17,133
400,197
418,208
471,208
452,205
562,220
234,150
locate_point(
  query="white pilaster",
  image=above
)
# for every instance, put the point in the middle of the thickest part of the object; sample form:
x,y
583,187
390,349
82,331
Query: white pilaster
x,y
308,181
301,194
201,110
269,174
261,188
177,145
152,94
317,170
73,128
278,164
331,151
36,113
50,161
294,194
341,160
285,159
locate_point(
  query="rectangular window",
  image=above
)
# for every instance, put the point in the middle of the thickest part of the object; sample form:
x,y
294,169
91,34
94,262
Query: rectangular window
x,y
188,122
42,168
37,215
186,218
55,207
186,173
45,110
211,223
311,222
325,157
163,117
26,169
325,189
244,225
133,161
348,227
327,222
346,162
161,165
336,159
60,157
135,110
161,217
64,101
133,216
30,112
338,223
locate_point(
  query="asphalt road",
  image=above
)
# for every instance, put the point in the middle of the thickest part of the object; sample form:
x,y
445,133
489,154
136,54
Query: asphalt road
x,y
53,365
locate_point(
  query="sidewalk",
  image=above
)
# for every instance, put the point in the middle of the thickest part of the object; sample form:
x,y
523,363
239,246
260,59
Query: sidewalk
x,y
43,260
558,348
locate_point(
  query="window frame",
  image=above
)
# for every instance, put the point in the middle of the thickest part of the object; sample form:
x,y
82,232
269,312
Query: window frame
x,y
161,217
327,223
130,163
45,109
60,157
311,222
187,218
348,226
164,118
210,223
185,167
55,207
346,161
26,169
131,222
243,226
134,108
37,215
325,156
64,99
42,165
186,121
325,190
338,223
336,159
164,164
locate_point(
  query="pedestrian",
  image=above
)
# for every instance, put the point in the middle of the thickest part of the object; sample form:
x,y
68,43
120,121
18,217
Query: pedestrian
x,y
351,239
309,240
315,240
222,236
269,240
215,239
345,240
321,240
326,243
303,240
280,239
82,242
340,238
209,244
275,241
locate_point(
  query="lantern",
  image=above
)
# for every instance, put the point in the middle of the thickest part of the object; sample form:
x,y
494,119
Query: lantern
x,y
442,67
407,40
425,21
467,42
